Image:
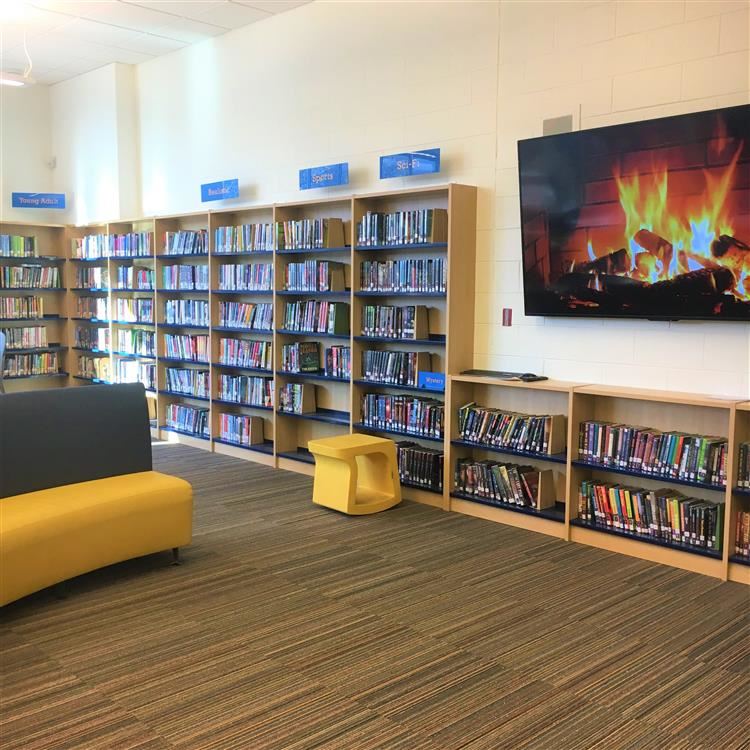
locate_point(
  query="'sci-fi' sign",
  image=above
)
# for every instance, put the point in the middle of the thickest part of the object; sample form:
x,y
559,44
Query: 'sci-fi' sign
x,y
410,163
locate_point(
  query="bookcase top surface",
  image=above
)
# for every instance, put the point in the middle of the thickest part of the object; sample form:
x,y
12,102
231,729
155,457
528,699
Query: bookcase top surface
x,y
744,406
562,386
646,394
421,189
29,224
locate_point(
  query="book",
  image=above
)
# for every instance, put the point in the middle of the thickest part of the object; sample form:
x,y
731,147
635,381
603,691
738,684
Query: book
x,y
136,341
743,466
191,312
670,455
246,238
182,346
337,362
134,277
297,398
131,371
186,242
246,390
136,310
240,429
130,244
301,357
254,317
17,246
94,368
185,277
25,337
15,308
315,276
395,322
92,307
742,534
419,226
187,381
92,277
420,466
309,234
504,483
187,419
27,277
255,277
416,416
395,368
663,514
90,247
245,353
317,316
412,275
92,339
25,365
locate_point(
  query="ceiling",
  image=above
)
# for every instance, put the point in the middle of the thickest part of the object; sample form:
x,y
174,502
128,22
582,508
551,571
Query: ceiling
x,y
65,38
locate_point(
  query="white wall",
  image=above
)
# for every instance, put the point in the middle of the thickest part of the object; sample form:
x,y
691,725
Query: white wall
x,y
25,150
350,81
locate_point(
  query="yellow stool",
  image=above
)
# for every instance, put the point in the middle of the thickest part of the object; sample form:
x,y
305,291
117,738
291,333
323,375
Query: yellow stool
x,y
355,474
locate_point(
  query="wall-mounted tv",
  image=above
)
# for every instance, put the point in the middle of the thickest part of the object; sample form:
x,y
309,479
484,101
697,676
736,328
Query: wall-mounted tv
x,y
645,220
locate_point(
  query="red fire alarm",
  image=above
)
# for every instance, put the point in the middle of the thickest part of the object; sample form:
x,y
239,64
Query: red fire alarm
x,y
507,316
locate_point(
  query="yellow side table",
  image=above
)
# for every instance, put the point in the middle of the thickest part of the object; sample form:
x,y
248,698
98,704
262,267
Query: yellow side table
x,y
355,474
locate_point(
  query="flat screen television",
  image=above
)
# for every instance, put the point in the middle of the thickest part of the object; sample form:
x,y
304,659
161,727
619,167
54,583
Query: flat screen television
x,y
644,220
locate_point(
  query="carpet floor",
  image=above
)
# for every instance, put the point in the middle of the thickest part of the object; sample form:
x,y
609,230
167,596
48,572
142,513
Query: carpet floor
x,y
290,627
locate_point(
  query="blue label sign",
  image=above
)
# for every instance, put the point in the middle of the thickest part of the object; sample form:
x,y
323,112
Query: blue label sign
x,y
328,176
432,381
38,200
220,191
411,163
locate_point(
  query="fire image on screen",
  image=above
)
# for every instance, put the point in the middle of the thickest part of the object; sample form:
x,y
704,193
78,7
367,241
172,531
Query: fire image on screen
x,y
649,219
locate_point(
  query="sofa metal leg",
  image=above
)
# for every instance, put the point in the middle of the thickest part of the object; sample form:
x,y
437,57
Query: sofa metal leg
x,y
176,556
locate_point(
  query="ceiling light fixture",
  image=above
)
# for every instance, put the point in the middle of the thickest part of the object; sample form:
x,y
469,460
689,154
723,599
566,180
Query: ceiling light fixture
x,y
15,79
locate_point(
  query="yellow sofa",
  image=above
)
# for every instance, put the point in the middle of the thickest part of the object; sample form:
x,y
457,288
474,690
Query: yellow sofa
x,y
51,533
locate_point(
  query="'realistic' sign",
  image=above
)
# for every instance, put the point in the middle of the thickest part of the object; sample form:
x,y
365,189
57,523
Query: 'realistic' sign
x,y
220,191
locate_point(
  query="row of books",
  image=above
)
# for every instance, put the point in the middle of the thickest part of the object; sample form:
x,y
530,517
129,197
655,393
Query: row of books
x,y
743,466
92,307
133,277
398,368
742,534
25,337
295,398
132,243
188,381
17,246
191,312
18,277
90,338
315,276
186,242
304,357
92,277
187,419
185,277
403,227
90,247
17,365
409,275
306,234
256,277
248,390
240,429
337,362
184,346
664,514
393,322
416,416
138,310
21,307
674,455
130,371
246,238
95,367
504,429
254,317
316,316
245,353
136,341
419,465
498,482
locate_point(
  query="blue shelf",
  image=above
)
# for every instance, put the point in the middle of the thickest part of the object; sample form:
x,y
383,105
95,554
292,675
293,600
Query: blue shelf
x,y
182,291
32,259
396,386
173,256
240,329
715,554
313,293
227,402
93,380
315,250
177,394
739,560
332,416
301,454
312,376
558,458
257,370
652,477
414,246
94,289
127,355
741,491
29,377
197,435
416,486
33,289
131,289
557,514
131,257
244,254
25,320
182,325
436,340
400,294
93,352
362,426
37,350
133,323
265,447
94,321
184,361
310,334
254,292
89,260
